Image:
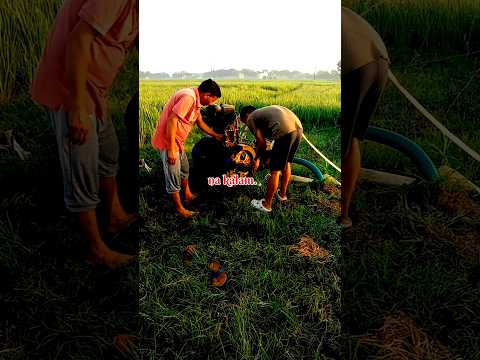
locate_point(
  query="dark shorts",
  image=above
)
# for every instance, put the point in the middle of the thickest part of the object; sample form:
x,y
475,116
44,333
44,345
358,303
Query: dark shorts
x,y
361,90
284,150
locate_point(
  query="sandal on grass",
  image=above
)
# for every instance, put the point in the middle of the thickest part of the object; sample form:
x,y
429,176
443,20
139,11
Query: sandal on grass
x,y
218,276
258,204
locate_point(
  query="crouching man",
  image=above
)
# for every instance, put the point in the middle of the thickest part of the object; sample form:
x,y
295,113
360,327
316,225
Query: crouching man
x,y
175,123
281,125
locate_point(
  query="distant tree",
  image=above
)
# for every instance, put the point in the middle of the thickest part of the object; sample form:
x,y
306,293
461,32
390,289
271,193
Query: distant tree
x,y
332,75
250,74
183,75
155,76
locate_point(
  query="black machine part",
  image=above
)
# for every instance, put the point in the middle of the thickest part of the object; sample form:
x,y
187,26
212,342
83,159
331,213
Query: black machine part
x,y
219,117
212,158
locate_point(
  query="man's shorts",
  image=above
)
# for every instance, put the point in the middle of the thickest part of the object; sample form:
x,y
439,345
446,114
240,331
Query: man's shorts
x,y
174,173
84,165
284,150
361,90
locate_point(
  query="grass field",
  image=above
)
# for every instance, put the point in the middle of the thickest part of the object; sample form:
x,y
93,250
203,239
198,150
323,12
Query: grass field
x,y
275,303
28,26
416,250
317,104
451,25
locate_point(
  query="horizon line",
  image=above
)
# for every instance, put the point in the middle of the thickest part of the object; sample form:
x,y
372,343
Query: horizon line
x,y
203,72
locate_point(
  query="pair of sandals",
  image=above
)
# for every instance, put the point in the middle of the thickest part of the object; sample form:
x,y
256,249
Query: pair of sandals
x,y
218,276
258,204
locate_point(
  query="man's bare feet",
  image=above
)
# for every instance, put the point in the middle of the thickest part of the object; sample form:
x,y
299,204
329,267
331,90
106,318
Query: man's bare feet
x,y
186,213
110,258
345,222
119,224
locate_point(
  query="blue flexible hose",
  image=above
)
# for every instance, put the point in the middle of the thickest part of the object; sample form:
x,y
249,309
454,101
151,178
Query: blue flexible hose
x,y
312,167
406,146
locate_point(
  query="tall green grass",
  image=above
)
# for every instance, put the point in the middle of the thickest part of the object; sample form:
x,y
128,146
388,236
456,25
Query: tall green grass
x,y
426,24
25,26
425,39
275,304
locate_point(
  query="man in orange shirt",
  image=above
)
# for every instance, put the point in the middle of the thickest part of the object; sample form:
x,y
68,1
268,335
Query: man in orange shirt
x,y
175,123
85,50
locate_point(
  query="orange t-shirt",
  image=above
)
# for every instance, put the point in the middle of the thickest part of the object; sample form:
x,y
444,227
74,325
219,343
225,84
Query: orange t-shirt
x,y
116,21
186,105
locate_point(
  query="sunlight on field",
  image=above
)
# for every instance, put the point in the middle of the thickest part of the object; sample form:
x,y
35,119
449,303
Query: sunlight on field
x,y
317,104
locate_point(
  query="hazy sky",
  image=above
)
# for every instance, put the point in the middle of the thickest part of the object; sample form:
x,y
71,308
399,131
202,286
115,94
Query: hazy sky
x,y
198,36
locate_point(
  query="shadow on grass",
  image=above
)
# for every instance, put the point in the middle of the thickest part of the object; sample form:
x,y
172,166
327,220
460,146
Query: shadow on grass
x,y
407,256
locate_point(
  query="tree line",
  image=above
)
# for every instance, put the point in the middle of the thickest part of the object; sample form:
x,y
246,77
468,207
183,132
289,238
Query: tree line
x,y
246,74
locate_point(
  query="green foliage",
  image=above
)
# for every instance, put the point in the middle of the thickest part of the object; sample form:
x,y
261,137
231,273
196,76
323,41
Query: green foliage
x,y
317,104
427,24
25,26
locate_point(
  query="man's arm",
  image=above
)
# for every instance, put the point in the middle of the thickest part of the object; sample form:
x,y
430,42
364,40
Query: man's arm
x,y
204,127
77,61
172,123
261,144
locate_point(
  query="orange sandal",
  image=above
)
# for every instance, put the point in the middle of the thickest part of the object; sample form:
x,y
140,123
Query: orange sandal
x,y
218,277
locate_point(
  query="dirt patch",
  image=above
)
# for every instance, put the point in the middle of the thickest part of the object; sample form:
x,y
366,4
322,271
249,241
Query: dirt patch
x,y
331,202
330,206
468,246
309,248
401,339
466,240
332,190
458,203
466,237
